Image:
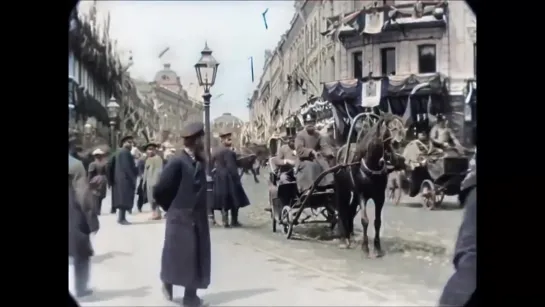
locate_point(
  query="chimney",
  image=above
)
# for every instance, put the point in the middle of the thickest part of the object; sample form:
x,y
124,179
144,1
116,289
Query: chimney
x,y
167,66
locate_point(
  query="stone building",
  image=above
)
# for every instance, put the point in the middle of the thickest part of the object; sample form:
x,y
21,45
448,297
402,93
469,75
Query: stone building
x,y
171,102
335,40
94,74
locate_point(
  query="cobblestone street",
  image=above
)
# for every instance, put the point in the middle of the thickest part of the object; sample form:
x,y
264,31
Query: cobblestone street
x,y
270,270
405,227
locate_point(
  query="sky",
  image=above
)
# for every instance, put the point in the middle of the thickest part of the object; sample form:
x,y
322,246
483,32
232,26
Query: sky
x,y
234,30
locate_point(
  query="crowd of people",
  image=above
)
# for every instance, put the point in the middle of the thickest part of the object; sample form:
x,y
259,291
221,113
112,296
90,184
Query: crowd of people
x,y
177,184
172,182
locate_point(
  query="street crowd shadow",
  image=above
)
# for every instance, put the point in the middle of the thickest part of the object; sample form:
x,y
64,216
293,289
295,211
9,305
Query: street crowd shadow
x,y
215,299
109,255
105,295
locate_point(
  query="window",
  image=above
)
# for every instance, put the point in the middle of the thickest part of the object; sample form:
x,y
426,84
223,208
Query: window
x,y
357,60
388,61
427,60
388,2
475,59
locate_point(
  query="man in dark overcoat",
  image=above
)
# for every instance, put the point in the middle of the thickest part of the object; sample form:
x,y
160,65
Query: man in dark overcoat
x,y
181,192
229,194
125,175
461,288
311,148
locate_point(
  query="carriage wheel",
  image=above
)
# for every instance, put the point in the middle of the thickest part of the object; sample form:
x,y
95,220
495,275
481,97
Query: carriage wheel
x,y
287,224
394,195
273,218
439,196
428,195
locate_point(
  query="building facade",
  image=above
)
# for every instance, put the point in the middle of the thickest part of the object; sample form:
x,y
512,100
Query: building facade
x,y
335,40
94,71
171,102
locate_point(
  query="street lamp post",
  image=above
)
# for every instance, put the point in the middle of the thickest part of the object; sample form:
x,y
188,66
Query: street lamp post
x,y
206,69
113,112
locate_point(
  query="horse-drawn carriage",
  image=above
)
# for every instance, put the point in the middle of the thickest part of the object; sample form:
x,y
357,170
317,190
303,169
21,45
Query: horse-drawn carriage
x,y
435,175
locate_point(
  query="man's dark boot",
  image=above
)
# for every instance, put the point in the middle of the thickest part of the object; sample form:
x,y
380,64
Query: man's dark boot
x,y
113,210
81,270
191,299
225,218
234,218
167,291
121,219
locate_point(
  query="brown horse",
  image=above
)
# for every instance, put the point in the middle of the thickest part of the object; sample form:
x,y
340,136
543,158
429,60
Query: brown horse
x,y
360,183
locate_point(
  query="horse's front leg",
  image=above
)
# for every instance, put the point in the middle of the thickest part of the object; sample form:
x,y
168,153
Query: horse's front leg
x,y
241,172
379,204
365,225
255,175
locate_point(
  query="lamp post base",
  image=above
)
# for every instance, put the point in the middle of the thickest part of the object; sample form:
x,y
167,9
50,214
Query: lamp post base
x,y
210,200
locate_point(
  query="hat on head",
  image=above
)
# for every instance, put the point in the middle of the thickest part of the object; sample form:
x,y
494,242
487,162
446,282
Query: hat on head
x,y
124,139
192,130
150,144
97,152
225,132
290,132
309,117
440,117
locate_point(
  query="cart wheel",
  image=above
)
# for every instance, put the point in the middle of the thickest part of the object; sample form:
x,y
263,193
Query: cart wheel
x,y
439,196
427,193
394,195
273,218
287,226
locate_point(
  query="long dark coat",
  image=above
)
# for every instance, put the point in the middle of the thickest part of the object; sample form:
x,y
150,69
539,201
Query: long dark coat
x,y
125,175
461,288
181,192
79,243
228,190
110,174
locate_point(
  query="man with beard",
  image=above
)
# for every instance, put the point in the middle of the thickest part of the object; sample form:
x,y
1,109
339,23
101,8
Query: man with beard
x,y
152,171
229,194
125,175
309,147
181,191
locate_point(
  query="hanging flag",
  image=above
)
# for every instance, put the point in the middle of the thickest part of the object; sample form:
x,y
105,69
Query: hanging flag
x,y
252,67
265,18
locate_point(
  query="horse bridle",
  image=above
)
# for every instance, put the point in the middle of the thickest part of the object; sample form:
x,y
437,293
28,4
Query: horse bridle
x,y
382,170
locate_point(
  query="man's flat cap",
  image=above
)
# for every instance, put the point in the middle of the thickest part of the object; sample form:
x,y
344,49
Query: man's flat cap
x,y
193,129
225,132
124,139
150,144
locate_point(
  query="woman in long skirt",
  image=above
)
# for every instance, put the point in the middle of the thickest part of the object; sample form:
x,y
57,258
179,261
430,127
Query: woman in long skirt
x,y
98,179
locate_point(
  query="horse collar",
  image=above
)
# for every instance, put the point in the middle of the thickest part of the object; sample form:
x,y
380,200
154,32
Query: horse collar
x,y
373,172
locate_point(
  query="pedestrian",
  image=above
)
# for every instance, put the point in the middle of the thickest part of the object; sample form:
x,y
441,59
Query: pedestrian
x,y
97,178
229,195
79,226
85,197
461,288
152,171
181,192
140,192
79,242
125,175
